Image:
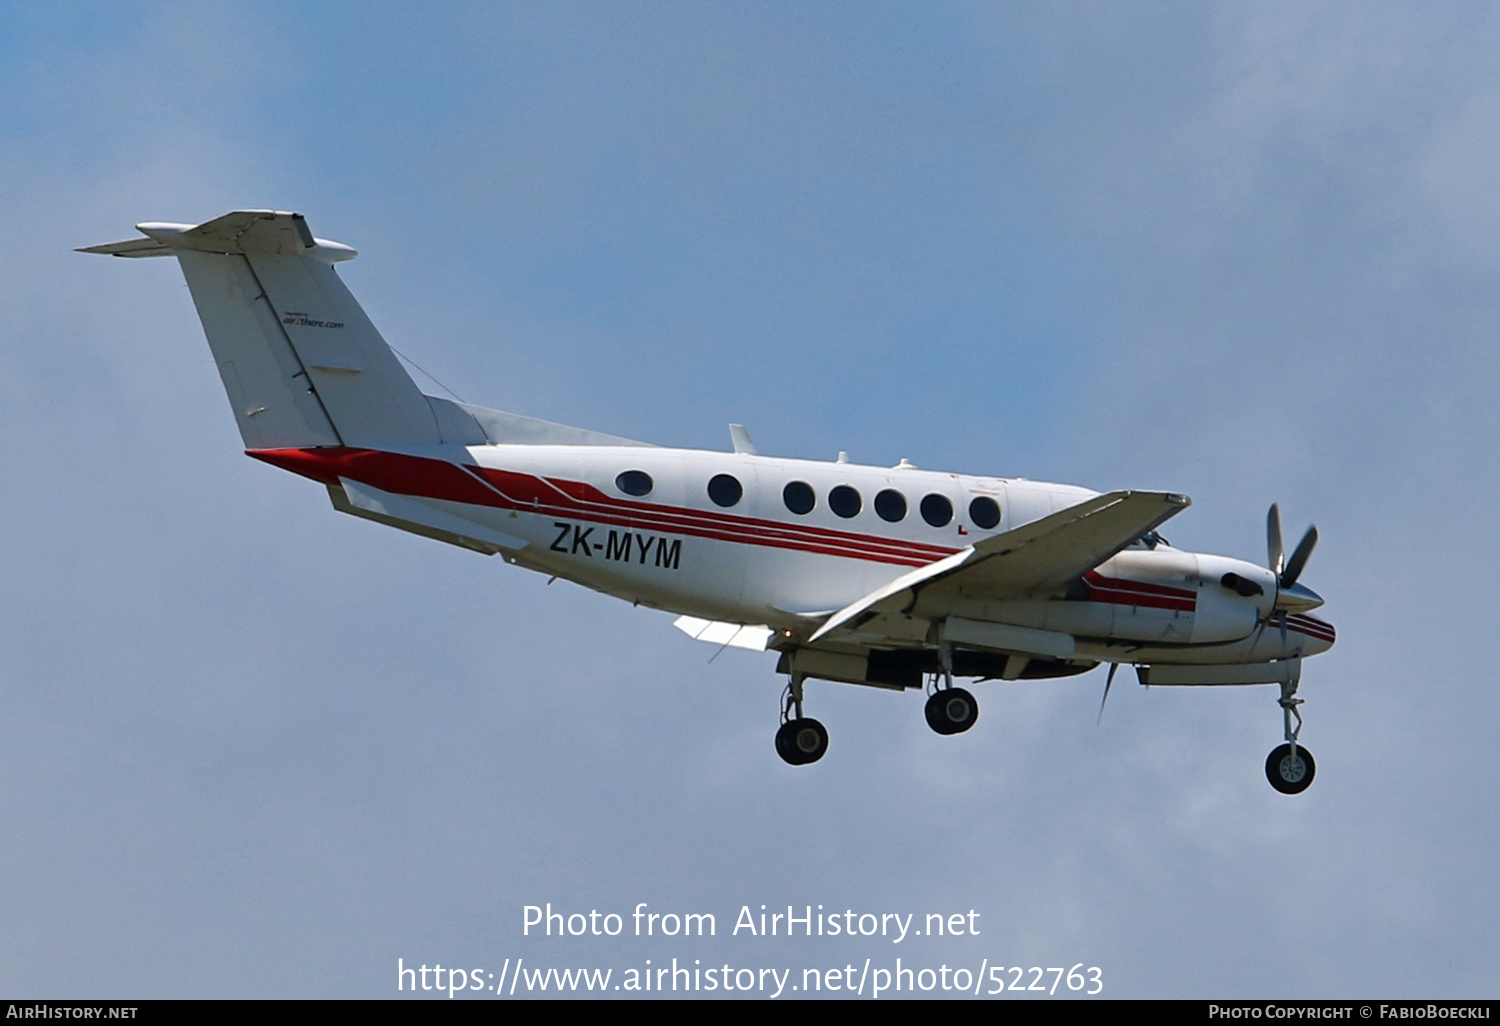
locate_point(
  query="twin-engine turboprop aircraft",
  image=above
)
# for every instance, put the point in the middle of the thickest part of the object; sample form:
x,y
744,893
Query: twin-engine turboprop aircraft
x,y
894,577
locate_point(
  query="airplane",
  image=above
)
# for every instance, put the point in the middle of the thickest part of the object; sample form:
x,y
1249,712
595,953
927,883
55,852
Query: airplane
x,y
890,577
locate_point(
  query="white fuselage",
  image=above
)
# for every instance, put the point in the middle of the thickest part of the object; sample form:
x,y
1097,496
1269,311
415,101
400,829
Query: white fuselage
x,y
755,560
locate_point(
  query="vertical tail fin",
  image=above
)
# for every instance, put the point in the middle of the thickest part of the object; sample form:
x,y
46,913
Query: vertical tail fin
x,y
301,363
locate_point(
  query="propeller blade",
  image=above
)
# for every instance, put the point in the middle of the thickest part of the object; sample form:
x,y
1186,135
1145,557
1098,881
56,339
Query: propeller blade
x,y
1107,682
1274,551
1299,558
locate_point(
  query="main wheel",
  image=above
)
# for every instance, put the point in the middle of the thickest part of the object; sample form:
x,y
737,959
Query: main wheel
x,y
951,711
1287,774
800,742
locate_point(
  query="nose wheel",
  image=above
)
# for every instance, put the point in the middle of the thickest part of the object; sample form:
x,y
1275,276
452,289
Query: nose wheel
x,y
1288,771
1290,767
800,739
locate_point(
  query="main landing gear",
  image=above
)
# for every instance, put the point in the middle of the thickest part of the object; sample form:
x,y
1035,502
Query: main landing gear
x,y
949,710
801,739
1290,767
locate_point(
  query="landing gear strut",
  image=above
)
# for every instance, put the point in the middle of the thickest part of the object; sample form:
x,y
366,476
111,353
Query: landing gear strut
x,y
1290,767
950,710
800,740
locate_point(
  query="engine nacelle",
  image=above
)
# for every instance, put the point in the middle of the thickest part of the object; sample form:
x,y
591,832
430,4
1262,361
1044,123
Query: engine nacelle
x,y
1233,596
1181,597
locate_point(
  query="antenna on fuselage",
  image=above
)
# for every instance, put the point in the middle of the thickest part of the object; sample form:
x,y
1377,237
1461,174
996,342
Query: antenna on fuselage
x,y
740,438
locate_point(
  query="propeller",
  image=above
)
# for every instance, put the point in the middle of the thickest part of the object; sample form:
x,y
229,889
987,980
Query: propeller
x,y
1290,595
1273,539
1299,558
1107,682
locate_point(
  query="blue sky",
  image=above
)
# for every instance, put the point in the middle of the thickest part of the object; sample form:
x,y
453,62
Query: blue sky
x,y
253,748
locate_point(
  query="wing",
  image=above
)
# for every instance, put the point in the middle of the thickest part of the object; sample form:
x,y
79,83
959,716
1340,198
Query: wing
x,y
1046,554
1035,559
756,637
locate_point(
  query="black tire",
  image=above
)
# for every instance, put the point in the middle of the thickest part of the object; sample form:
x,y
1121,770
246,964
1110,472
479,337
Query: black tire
x,y
951,711
1286,776
784,747
800,742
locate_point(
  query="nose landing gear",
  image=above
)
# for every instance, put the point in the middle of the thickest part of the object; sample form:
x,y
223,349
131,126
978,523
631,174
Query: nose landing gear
x,y
1290,767
1288,771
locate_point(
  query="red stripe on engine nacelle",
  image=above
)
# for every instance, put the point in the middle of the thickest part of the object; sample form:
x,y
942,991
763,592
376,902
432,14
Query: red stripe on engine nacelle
x,y
1312,627
1120,592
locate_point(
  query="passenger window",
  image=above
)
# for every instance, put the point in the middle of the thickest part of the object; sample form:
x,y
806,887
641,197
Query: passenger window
x,y
634,482
799,497
890,505
844,501
725,490
937,510
984,512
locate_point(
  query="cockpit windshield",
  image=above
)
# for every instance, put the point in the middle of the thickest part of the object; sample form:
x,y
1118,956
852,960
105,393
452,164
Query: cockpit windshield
x,y
1149,540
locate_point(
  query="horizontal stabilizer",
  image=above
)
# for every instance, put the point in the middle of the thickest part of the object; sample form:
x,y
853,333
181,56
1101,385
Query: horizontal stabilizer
x,y
130,248
268,232
301,363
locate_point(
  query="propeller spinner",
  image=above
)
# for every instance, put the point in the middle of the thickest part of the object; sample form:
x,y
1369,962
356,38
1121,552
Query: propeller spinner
x,y
1291,597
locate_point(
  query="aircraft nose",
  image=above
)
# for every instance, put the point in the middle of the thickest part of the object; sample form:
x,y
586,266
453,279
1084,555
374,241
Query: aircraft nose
x,y
1298,598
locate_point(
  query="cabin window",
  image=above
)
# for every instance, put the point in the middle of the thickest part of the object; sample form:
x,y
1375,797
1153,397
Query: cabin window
x,y
937,510
799,497
890,505
844,501
634,482
984,513
725,490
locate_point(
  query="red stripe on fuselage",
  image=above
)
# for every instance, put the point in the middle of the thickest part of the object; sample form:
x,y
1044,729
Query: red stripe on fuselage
x,y
501,489
388,471
575,498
